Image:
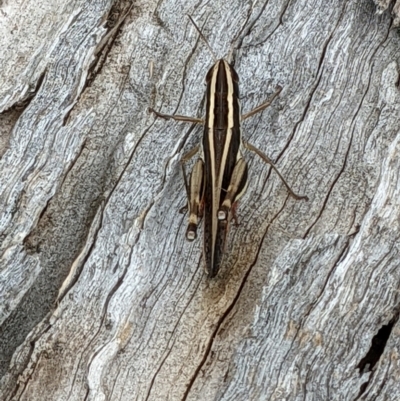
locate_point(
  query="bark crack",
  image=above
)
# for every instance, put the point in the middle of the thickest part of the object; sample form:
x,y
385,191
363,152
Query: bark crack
x,y
326,44
285,7
344,164
248,30
228,311
9,117
77,273
375,352
30,245
340,257
112,292
170,347
100,55
351,138
185,67
32,344
103,207
21,105
300,121
313,90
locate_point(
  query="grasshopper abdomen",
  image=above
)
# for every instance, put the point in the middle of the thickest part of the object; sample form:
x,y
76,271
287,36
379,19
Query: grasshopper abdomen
x,y
222,151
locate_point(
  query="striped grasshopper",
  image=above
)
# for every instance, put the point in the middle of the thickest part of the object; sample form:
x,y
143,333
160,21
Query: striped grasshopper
x,y
219,176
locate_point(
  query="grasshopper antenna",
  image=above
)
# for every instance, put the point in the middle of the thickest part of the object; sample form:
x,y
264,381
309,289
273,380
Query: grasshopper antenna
x,y
203,37
232,50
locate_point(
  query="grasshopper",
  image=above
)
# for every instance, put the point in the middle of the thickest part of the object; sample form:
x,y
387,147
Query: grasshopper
x,y
219,176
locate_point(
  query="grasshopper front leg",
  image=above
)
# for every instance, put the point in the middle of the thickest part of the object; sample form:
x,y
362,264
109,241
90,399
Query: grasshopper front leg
x,y
262,106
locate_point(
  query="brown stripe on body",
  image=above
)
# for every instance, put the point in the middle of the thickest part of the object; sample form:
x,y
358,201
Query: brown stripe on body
x,y
221,143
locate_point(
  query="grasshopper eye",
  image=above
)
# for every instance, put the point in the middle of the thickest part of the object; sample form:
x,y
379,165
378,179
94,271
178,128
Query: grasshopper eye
x,y
210,73
234,74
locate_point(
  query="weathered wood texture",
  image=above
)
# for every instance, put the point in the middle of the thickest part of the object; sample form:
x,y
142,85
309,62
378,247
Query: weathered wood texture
x,y
101,296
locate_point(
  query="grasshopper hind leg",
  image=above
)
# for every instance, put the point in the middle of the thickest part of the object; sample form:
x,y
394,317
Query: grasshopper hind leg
x,y
195,199
267,160
235,190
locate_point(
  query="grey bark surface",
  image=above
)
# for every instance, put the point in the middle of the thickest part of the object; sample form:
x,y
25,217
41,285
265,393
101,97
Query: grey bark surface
x,y
101,297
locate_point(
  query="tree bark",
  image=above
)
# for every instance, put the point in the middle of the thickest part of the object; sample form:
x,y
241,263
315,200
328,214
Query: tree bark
x,y
101,296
